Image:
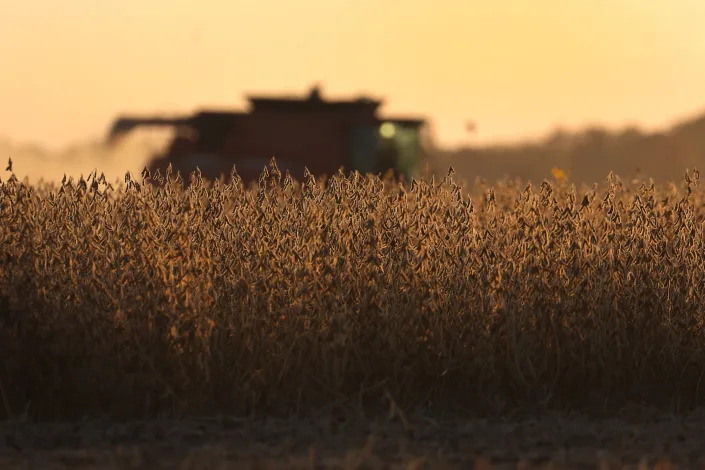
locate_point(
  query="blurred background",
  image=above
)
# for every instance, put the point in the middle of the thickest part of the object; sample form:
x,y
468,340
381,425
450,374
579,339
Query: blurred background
x,y
504,87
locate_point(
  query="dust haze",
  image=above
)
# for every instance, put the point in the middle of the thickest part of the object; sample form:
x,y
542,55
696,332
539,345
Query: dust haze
x,y
35,163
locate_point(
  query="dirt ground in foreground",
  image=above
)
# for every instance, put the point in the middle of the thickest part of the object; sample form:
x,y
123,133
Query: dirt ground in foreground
x,y
632,440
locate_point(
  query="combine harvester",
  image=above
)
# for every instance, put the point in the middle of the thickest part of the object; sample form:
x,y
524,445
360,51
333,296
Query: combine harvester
x,y
299,132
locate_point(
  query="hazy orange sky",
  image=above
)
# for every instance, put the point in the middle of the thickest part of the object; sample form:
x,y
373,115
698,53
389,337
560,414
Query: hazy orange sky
x,y
517,68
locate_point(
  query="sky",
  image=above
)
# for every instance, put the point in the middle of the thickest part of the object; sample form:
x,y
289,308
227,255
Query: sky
x,y
516,68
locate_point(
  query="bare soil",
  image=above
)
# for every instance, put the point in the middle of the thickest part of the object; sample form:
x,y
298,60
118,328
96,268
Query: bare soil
x,y
636,438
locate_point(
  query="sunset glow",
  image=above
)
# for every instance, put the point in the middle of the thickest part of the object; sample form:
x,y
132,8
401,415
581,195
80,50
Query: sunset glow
x,y
516,68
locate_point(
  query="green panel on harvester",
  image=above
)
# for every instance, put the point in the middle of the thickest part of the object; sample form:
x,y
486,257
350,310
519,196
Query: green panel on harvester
x,y
363,143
